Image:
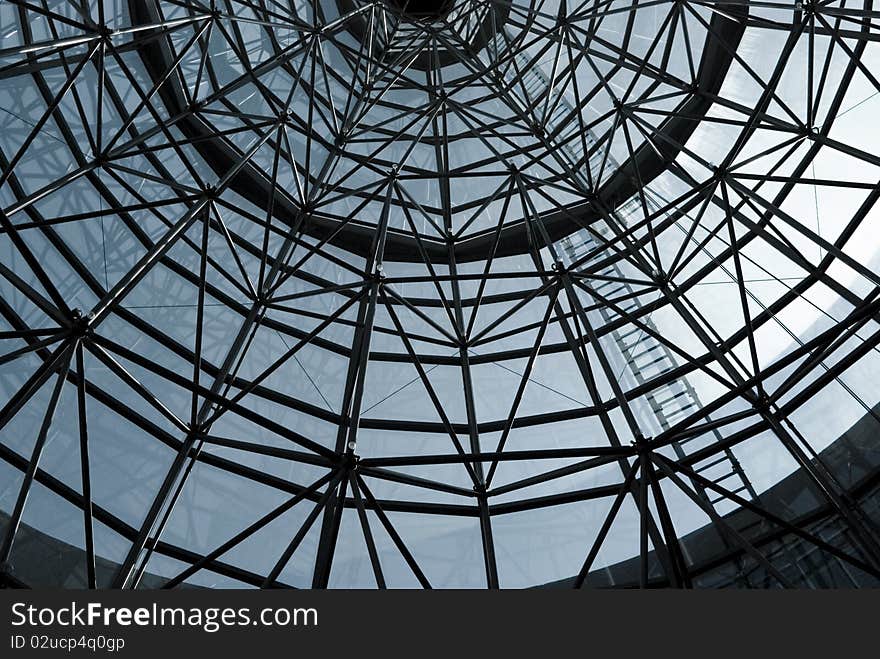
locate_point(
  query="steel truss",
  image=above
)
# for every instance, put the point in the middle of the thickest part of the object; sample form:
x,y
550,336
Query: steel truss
x,y
360,194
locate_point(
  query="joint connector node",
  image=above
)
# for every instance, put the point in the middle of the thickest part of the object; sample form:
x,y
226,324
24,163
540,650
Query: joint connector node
x,y
80,323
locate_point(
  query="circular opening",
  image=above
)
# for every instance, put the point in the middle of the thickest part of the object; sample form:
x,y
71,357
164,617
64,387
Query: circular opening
x,y
423,10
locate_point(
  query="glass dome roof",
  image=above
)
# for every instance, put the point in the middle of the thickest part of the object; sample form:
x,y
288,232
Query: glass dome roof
x,y
466,294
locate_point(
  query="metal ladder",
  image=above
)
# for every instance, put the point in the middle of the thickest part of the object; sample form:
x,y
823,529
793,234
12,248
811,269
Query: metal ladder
x,y
641,358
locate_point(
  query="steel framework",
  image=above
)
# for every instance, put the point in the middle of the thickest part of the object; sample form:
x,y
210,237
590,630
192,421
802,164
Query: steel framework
x,y
289,281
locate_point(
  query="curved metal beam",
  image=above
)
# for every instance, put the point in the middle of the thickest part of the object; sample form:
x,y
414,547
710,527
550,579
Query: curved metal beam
x,y
646,164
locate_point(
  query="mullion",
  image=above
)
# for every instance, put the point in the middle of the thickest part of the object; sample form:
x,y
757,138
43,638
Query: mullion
x,y
741,288
368,535
427,384
581,577
395,536
297,539
14,522
248,532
